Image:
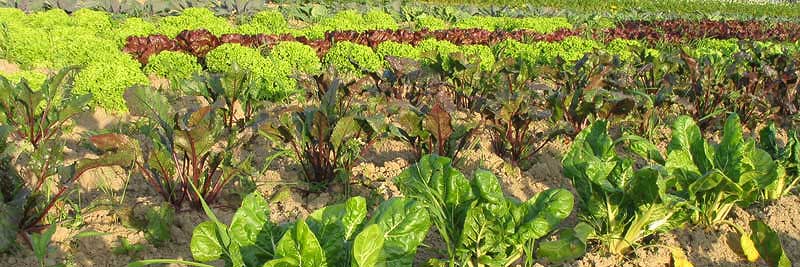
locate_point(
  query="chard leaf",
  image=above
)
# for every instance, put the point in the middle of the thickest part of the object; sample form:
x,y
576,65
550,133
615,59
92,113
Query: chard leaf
x,y
367,247
543,212
768,244
299,247
679,258
205,244
404,224
730,152
570,245
253,232
686,136
749,248
644,148
336,224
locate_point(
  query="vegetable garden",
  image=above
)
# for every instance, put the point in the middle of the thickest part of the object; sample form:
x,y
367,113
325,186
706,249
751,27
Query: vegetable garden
x,y
290,133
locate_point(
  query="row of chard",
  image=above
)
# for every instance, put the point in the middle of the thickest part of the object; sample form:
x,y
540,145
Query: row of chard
x,y
199,42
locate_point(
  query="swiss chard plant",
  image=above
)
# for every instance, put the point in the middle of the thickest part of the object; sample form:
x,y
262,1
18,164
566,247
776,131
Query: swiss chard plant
x,y
513,115
622,203
478,223
433,131
715,178
787,157
326,138
174,148
337,235
39,115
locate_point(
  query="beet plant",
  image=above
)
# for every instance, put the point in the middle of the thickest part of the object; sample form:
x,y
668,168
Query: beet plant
x,y
235,90
326,137
432,130
513,114
174,148
40,114
481,226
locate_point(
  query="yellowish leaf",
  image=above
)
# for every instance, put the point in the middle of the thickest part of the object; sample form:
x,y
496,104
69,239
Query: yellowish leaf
x,y
749,248
679,259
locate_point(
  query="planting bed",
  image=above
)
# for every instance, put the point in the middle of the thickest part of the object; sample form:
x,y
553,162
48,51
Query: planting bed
x,y
421,134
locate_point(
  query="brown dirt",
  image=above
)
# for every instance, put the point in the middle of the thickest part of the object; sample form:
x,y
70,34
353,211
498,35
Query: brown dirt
x,y
372,179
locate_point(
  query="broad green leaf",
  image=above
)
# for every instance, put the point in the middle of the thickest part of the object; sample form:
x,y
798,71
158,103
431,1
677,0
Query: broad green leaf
x,y
300,247
40,242
570,245
768,244
404,224
367,247
146,102
644,148
543,213
487,187
253,232
335,225
707,182
205,244
730,152
686,136
482,232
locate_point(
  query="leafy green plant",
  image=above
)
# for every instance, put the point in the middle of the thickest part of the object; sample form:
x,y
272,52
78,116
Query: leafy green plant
x,y
107,81
326,137
159,224
336,235
479,225
622,204
715,178
271,74
41,243
787,157
127,248
351,58
173,148
174,66
40,114
433,131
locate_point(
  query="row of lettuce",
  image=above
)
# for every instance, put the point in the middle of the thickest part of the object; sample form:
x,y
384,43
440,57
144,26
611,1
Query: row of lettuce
x,y
53,39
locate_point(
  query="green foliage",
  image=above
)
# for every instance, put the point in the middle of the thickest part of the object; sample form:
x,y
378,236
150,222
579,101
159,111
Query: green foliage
x,y
41,243
300,57
236,88
173,65
132,27
35,79
623,48
430,22
717,177
379,20
437,52
622,204
336,235
479,225
537,24
270,73
107,82
715,49
351,58
96,21
265,22
391,48
570,49
194,18
159,224
479,52
787,157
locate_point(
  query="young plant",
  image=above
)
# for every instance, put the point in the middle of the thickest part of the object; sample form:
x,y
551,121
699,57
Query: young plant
x,y
336,235
511,116
40,115
173,148
433,131
481,226
406,79
623,205
326,137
